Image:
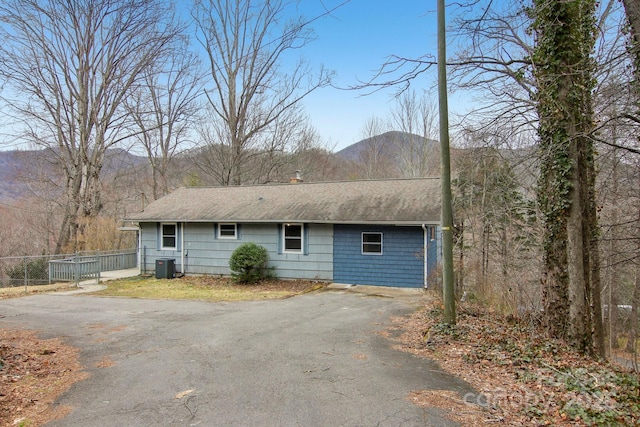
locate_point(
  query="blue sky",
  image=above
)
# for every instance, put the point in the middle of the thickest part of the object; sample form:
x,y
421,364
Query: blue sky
x,y
354,42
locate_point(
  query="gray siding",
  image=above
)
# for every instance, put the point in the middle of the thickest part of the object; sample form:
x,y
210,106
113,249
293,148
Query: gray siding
x,y
151,247
401,263
206,254
317,260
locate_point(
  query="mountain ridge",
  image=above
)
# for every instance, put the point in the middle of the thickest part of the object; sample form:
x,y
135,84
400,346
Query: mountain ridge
x,y
394,149
385,144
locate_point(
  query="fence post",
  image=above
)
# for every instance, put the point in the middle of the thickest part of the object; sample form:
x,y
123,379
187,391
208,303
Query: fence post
x,y
26,278
76,269
99,260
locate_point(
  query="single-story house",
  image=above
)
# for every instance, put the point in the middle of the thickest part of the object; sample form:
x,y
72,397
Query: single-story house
x,y
368,232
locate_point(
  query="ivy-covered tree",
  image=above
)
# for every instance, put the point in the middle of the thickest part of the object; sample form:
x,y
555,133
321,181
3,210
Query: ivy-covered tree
x,y
565,34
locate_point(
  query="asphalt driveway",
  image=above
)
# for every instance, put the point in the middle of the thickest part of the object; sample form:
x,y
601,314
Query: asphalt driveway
x,y
312,360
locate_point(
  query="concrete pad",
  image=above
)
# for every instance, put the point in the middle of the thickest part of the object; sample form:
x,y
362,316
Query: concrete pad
x,y
90,285
339,286
387,291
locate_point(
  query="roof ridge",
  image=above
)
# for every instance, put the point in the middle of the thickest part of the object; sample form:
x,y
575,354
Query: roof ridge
x,y
277,184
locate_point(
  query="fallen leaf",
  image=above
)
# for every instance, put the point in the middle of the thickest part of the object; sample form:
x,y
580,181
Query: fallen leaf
x,y
183,394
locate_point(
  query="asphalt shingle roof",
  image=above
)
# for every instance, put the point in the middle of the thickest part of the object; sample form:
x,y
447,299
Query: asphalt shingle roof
x,y
396,201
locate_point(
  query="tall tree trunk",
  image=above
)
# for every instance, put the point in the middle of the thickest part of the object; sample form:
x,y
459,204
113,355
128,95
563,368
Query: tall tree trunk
x,y
576,259
613,312
632,10
461,267
593,240
563,71
578,252
633,329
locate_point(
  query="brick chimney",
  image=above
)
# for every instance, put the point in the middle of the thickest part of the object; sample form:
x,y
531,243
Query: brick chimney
x,y
296,179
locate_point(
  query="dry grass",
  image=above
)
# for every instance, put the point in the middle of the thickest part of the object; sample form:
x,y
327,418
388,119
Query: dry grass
x,y
206,288
20,291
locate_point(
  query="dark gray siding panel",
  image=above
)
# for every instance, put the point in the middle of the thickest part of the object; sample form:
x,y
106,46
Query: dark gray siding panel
x,y
401,263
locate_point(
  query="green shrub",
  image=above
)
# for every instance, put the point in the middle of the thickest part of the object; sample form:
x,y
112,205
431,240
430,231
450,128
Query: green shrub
x,y
35,271
248,263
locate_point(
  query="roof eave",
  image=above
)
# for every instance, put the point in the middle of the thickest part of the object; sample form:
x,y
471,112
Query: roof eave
x,y
292,220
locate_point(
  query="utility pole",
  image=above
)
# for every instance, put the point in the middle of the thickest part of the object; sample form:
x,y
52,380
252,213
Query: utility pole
x,y
447,215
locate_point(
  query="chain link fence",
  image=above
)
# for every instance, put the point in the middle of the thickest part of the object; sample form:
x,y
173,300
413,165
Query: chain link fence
x,y
46,269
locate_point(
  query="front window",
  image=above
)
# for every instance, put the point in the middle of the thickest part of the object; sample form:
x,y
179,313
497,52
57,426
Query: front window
x,y
227,231
169,236
292,238
371,243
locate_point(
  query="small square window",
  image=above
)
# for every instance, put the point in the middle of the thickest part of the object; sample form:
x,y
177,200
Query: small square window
x,y
292,238
169,236
371,243
227,231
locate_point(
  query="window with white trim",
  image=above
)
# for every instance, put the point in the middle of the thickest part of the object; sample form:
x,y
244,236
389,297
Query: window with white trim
x,y
292,236
371,243
227,231
169,235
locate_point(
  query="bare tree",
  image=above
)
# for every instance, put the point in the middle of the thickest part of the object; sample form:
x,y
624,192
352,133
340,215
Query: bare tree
x,y
164,108
269,156
247,43
495,221
291,134
417,151
321,164
376,155
400,144
69,67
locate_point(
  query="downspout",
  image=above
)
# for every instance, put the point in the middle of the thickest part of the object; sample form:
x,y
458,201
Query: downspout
x,y
139,249
183,249
426,260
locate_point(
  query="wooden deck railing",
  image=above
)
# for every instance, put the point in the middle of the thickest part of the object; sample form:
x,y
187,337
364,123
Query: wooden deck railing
x,y
82,267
